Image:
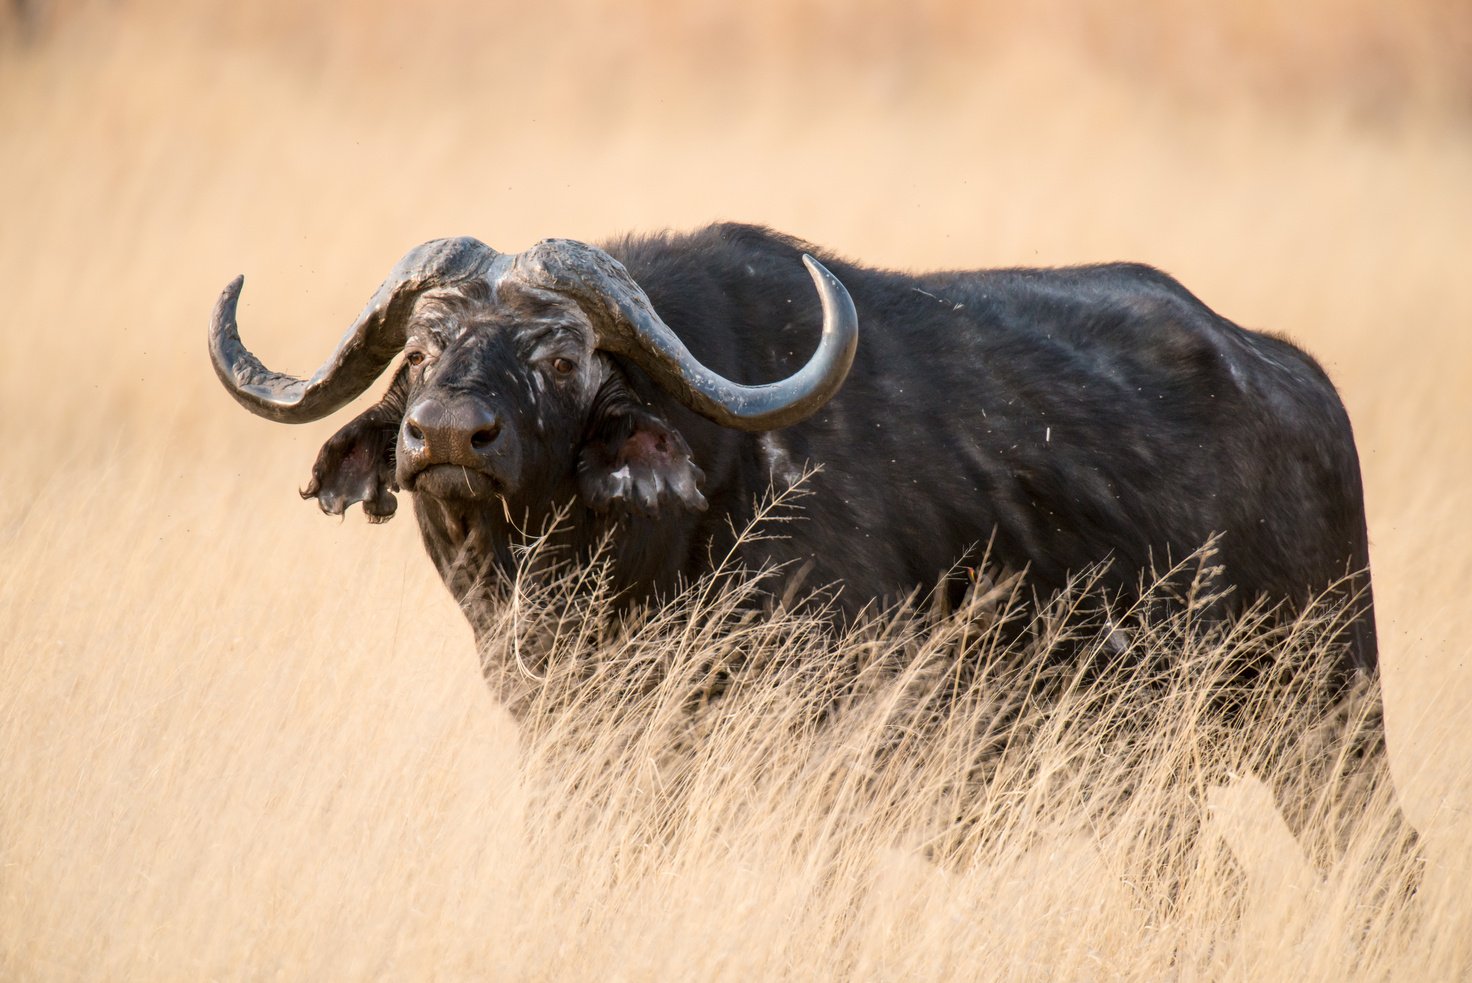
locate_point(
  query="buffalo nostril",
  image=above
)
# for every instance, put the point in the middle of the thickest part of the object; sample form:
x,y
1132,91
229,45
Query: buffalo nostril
x,y
485,436
414,432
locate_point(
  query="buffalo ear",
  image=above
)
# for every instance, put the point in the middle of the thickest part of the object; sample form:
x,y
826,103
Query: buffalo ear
x,y
357,465
634,461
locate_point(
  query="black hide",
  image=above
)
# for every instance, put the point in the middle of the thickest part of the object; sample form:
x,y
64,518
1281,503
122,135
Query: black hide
x,y
1066,416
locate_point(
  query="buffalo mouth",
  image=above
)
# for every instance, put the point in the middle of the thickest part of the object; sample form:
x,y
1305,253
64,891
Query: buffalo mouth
x,y
455,481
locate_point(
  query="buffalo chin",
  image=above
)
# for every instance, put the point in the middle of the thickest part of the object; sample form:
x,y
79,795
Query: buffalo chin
x,y
452,481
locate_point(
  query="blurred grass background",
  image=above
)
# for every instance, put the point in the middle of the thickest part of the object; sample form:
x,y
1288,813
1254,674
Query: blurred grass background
x,y
1303,168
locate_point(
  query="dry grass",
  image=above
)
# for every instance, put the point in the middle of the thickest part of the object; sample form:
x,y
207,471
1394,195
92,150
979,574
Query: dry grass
x,y
241,740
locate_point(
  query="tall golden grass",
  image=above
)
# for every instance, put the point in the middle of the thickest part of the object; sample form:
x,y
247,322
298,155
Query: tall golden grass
x,y
240,740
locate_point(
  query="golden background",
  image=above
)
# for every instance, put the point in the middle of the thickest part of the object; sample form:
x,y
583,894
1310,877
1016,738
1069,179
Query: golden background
x,y
240,738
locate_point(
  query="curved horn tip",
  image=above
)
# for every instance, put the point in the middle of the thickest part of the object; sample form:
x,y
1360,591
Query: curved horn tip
x,y
232,289
222,321
816,268
821,273
838,306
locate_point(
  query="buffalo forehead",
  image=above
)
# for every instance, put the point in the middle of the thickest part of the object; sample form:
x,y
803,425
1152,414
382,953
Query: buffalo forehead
x,y
446,314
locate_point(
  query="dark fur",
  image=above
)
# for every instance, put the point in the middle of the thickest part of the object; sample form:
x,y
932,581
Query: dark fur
x,y
1066,416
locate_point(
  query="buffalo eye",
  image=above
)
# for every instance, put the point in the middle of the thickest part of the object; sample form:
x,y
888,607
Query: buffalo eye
x,y
562,366
415,358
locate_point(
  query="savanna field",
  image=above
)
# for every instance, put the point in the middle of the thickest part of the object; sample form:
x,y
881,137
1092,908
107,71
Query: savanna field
x,y
239,739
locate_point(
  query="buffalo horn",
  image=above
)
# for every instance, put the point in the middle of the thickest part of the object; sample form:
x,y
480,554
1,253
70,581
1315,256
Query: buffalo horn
x,y
627,325
365,349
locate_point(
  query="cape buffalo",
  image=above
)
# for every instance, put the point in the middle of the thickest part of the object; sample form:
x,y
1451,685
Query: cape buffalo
x,y
1057,417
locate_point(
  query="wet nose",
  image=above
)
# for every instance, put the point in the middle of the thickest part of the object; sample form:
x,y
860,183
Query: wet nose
x,y
463,432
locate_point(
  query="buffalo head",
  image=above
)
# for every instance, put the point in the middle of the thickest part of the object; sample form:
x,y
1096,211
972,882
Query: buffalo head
x,y
512,393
